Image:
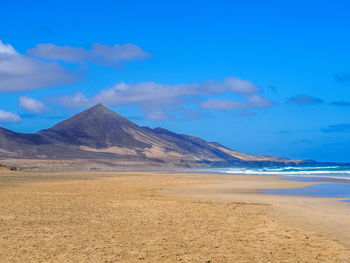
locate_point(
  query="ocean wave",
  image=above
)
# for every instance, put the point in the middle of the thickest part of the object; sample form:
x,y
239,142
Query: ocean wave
x,y
334,172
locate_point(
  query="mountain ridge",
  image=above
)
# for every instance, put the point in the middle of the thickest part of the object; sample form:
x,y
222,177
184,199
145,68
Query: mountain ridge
x,y
100,133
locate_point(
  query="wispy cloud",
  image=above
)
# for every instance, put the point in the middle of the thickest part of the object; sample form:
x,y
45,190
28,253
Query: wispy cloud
x,y
192,114
274,89
342,77
31,105
338,128
100,54
21,72
157,115
341,103
254,101
222,104
6,117
157,99
304,99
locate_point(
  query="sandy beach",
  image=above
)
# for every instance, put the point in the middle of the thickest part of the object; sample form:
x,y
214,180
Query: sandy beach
x,y
150,217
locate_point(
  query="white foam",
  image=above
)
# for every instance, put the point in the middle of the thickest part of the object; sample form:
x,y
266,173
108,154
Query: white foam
x,y
334,172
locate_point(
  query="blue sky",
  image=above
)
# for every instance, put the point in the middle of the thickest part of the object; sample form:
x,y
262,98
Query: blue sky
x,y
264,77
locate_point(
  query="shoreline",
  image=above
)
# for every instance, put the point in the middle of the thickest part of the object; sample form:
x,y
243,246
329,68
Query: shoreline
x,y
311,190
331,214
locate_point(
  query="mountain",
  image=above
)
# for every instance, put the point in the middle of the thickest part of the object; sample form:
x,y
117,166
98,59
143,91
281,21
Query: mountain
x,y
97,127
100,134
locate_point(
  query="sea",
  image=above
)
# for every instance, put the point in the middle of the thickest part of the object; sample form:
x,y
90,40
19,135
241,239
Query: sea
x,y
334,180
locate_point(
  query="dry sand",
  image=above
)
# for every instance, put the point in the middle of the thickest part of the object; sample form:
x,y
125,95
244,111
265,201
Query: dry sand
x,y
148,217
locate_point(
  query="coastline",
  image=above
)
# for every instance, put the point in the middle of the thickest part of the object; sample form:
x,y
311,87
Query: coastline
x,y
165,217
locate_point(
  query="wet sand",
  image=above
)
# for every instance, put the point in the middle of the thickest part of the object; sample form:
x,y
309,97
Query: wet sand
x,y
149,217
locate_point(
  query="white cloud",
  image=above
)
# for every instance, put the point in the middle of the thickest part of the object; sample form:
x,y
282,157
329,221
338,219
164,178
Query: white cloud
x,y
252,101
113,55
99,54
157,115
31,105
151,93
9,117
65,53
221,104
256,101
155,98
77,100
7,49
144,92
20,72
30,71
240,86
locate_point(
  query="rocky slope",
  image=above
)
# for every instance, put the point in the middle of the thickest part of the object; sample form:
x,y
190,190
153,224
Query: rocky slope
x,y
101,134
